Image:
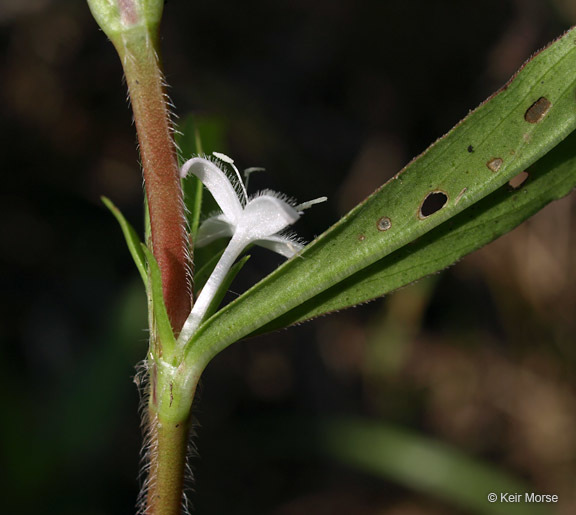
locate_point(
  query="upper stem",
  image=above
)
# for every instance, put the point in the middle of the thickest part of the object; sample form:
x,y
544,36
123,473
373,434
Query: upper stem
x,y
160,168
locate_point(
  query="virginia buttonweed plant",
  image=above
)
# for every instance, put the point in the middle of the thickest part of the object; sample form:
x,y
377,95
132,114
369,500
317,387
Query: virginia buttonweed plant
x,y
449,201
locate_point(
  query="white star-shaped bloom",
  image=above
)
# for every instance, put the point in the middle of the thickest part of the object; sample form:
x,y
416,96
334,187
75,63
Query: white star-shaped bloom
x,y
258,220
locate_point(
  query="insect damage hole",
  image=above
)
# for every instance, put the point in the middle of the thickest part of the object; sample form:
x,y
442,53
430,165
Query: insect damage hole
x,y
433,203
495,164
537,110
384,223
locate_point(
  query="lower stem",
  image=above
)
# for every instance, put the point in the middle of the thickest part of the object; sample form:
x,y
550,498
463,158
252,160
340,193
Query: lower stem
x,y
168,451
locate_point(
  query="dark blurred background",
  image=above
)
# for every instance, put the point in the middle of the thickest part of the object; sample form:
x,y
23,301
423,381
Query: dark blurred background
x,y
331,97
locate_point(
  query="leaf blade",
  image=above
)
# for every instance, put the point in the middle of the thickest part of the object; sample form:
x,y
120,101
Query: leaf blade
x,y
132,239
478,156
160,326
549,179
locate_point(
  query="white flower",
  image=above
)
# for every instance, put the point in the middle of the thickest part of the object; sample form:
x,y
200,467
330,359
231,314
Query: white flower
x,y
258,220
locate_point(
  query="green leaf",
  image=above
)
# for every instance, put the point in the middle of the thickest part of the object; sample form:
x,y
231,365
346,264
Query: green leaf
x,y
421,464
189,142
147,226
193,190
389,452
549,179
160,326
131,237
514,128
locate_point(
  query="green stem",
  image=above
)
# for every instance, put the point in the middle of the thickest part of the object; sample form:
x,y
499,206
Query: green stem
x,y
172,391
169,441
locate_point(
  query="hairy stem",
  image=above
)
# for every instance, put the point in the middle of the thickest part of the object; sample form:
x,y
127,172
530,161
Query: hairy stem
x,y
172,391
132,26
168,449
160,169
168,435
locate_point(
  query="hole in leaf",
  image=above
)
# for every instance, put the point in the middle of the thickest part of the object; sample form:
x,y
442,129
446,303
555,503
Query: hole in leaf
x,y
537,110
384,223
517,181
433,203
495,163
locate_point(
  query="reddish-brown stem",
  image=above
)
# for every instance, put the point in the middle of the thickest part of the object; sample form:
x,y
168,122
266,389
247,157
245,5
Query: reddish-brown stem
x,y
160,168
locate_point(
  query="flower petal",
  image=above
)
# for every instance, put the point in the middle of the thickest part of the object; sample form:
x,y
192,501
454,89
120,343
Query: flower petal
x,y
282,245
218,185
264,216
212,229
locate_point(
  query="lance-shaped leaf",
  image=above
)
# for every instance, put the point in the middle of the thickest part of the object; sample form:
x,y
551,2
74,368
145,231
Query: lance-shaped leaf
x,y
551,178
422,464
160,325
132,240
522,122
395,454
